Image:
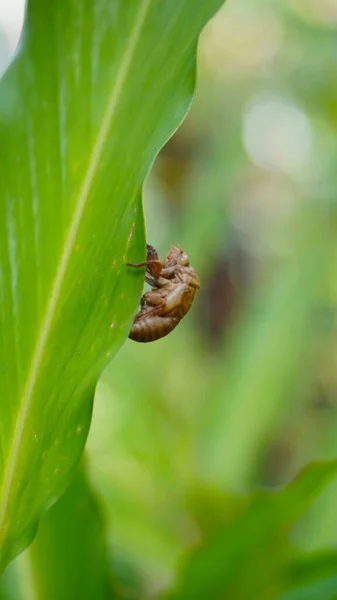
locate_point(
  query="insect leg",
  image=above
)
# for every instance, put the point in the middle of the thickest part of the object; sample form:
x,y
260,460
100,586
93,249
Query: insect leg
x,y
141,264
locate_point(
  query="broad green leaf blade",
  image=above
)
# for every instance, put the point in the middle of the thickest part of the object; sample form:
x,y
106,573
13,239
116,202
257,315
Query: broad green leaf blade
x,y
96,89
244,556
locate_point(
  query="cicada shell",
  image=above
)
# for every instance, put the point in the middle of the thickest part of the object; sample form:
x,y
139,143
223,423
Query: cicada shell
x,y
173,286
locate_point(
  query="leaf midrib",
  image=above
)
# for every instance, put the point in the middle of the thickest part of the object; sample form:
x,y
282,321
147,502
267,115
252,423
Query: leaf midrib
x,y
47,321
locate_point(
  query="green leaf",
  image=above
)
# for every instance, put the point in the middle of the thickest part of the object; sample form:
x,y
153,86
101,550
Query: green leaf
x,y
69,551
312,576
243,557
96,89
69,555
326,588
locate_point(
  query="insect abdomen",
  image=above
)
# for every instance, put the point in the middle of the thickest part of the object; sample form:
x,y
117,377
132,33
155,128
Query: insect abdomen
x,y
149,329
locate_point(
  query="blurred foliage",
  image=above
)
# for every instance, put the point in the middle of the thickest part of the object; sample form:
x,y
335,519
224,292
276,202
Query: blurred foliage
x,y
73,528
4,51
244,555
242,394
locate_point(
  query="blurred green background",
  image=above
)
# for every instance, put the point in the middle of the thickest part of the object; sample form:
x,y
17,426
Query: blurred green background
x,y
243,393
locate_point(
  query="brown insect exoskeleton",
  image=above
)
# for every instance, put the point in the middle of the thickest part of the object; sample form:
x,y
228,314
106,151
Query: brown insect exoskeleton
x,y
173,286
